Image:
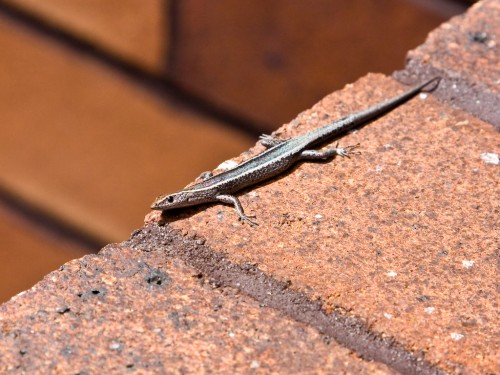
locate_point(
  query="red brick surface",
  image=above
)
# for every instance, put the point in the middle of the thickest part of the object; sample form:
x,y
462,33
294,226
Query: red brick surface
x,y
401,237
466,51
132,311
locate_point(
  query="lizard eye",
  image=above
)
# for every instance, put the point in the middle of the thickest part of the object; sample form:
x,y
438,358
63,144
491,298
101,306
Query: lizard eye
x,y
170,199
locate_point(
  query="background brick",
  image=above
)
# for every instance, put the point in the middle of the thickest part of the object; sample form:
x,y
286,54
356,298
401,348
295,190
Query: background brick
x,y
269,60
134,30
90,146
28,251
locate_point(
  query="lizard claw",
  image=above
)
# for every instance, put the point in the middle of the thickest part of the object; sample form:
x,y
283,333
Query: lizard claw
x,y
345,152
248,219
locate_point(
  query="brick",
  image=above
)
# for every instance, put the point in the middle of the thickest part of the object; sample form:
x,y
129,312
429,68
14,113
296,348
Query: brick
x,y
134,30
86,145
465,50
128,310
268,60
401,237
23,244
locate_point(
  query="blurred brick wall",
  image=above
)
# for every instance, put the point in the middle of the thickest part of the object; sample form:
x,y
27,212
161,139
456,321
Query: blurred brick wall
x,y
105,105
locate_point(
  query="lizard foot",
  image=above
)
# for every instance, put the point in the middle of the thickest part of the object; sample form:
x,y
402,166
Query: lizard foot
x,y
347,151
248,219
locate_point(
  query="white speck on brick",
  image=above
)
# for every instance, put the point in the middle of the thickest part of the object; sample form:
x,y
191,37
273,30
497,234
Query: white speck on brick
x,y
318,216
228,164
429,310
490,158
456,336
392,274
20,294
467,263
231,334
254,364
423,95
115,346
388,316
379,168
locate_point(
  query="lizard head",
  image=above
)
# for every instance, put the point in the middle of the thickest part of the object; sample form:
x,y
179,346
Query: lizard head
x,y
168,201
182,198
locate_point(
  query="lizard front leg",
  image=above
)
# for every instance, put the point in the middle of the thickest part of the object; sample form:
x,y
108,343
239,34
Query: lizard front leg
x,y
231,199
329,152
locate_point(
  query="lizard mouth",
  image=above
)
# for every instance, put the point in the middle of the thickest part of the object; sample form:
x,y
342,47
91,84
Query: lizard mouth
x,y
157,205
154,206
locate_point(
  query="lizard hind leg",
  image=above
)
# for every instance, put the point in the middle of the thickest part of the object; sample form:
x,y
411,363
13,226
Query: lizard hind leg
x,y
329,152
231,199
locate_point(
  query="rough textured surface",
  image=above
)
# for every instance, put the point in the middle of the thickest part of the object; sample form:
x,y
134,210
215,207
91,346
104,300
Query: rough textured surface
x,y
401,237
465,50
129,311
70,123
348,331
134,30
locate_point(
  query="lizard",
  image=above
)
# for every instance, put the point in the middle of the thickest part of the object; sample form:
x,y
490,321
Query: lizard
x,y
280,154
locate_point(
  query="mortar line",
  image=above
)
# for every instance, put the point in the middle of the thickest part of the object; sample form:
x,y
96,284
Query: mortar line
x,y
348,331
